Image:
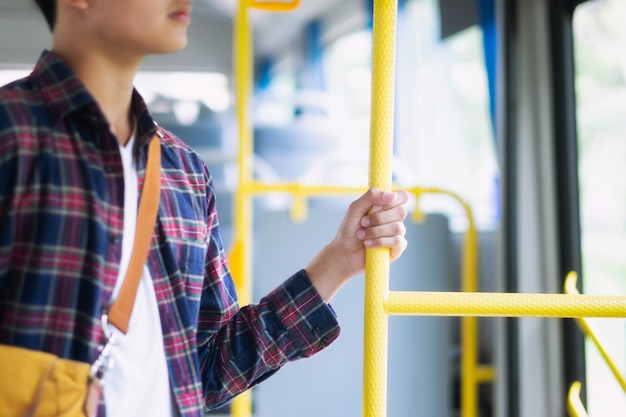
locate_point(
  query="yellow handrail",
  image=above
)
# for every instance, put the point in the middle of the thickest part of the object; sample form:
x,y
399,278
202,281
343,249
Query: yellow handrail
x,y
494,304
274,6
570,288
300,192
574,404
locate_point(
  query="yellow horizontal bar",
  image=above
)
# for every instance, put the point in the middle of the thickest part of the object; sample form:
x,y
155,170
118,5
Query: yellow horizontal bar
x,y
504,304
300,189
485,373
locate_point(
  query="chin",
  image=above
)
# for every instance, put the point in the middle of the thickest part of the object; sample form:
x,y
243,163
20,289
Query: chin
x,y
176,45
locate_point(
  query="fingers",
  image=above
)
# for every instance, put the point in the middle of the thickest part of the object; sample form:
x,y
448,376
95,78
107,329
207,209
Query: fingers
x,y
383,216
393,211
383,226
375,200
397,244
388,199
396,250
388,234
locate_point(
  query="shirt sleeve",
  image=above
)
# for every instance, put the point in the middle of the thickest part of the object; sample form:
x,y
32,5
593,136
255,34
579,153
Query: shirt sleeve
x,y
240,347
290,323
8,166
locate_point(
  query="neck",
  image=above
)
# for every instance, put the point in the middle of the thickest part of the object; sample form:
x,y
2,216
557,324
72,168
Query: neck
x,y
109,79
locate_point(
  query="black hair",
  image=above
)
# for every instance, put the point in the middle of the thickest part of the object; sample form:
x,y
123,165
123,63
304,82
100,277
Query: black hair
x,y
49,10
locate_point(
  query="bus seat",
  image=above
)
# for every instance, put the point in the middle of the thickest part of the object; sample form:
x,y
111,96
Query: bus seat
x,y
419,347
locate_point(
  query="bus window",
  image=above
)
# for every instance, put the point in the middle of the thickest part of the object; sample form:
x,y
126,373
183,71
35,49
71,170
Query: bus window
x,y
443,129
208,88
599,44
347,70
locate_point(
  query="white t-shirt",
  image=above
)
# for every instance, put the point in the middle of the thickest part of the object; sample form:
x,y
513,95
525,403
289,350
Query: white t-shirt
x,y
138,384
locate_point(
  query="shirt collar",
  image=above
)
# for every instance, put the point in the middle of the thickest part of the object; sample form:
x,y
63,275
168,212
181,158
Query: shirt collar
x,y
145,125
61,89
65,94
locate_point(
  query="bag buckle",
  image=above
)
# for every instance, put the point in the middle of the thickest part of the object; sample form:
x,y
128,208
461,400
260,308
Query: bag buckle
x,y
104,362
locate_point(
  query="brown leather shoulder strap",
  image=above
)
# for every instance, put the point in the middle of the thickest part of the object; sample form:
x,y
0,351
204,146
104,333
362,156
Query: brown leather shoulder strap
x,y
122,308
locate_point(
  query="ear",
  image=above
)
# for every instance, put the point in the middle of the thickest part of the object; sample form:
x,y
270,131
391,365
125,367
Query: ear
x,y
75,4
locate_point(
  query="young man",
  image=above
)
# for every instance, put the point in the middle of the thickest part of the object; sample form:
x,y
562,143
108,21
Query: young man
x,y
73,143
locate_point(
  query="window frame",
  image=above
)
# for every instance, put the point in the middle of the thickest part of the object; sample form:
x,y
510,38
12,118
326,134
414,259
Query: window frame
x,y
566,140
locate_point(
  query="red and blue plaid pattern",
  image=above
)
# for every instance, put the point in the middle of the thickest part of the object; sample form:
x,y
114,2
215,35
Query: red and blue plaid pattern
x,y
61,203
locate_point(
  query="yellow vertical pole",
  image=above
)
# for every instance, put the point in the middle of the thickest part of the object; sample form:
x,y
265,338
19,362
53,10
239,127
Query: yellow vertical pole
x,y
469,325
243,199
241,259
471,373
377,260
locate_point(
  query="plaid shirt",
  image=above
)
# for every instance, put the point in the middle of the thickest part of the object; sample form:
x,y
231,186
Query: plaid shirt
x,y
61,213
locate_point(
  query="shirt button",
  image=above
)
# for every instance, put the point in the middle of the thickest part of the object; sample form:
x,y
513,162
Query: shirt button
x,y
115,239
323,342
316,330
109,169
